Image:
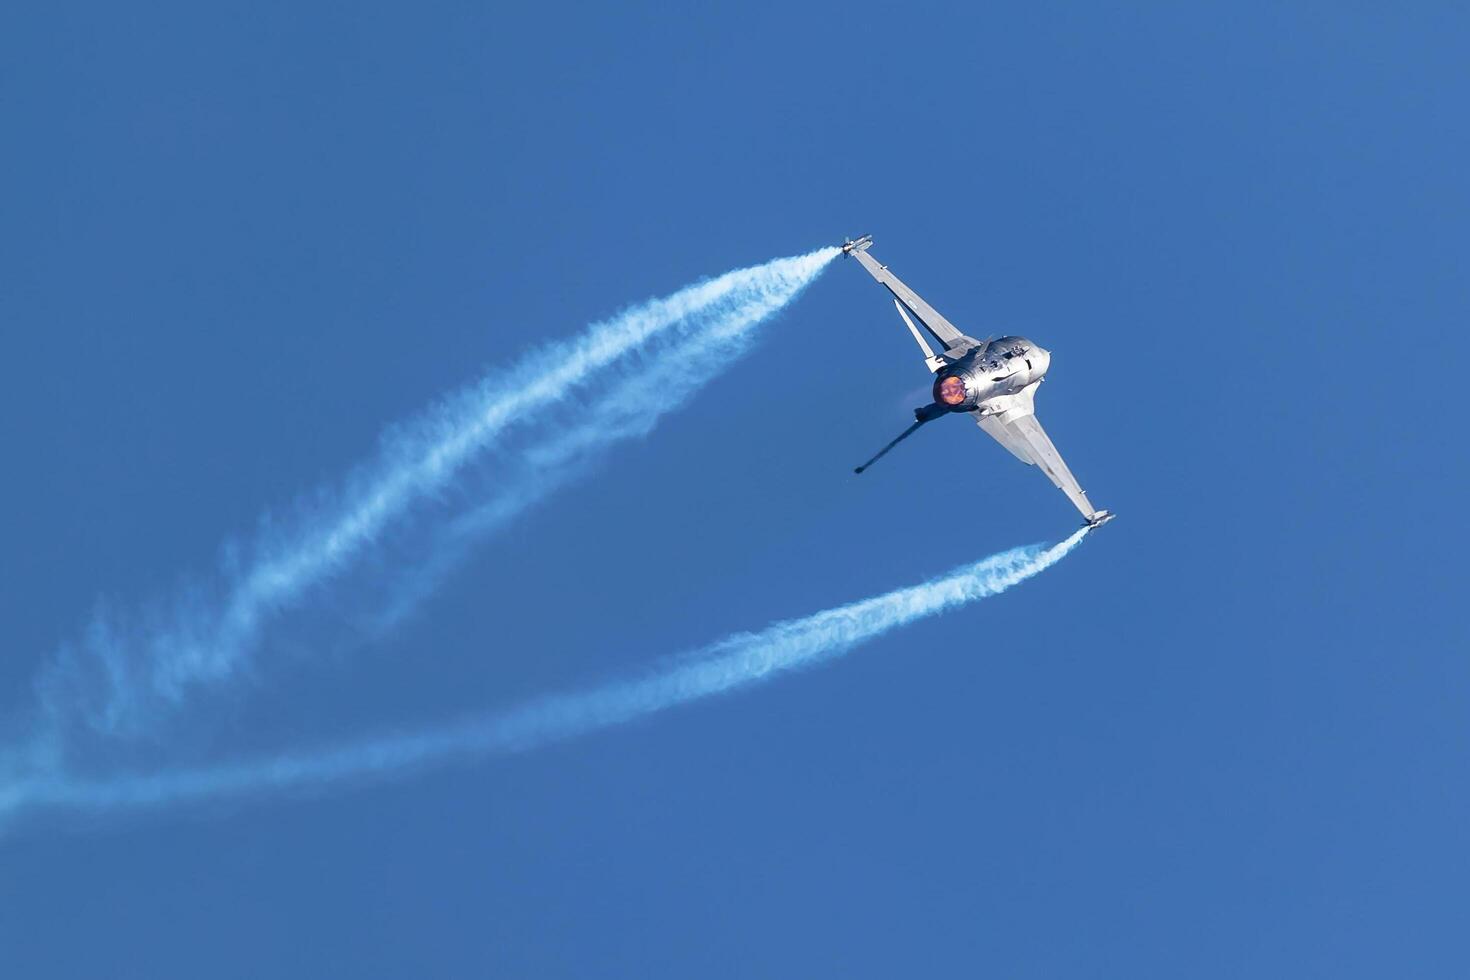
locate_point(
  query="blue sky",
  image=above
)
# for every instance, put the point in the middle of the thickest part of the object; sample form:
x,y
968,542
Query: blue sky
x,y
1226,737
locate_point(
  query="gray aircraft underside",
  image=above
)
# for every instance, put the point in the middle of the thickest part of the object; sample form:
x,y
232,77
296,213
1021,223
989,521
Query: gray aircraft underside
x,y
994,380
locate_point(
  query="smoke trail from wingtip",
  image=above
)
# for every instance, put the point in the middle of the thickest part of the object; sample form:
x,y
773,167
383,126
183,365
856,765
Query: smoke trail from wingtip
x,y
737,661
119,675
625,410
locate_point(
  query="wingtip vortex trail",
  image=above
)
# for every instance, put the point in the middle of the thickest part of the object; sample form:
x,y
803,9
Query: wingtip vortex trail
x,y
737,661
123,674
118,676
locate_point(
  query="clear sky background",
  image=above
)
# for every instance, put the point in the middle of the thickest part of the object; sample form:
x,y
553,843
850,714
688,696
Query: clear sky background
x,y
1226,738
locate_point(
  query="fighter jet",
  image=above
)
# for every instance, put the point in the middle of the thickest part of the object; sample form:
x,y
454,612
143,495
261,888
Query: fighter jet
x,y
993,380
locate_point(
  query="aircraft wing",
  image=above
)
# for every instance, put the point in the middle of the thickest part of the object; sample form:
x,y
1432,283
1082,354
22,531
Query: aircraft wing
x,y
1016,428
1046,456
1011,440
955,342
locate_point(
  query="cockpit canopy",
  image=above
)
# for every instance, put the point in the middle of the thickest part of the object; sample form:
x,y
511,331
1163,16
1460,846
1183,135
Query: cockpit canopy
x,y
1005,348
997,354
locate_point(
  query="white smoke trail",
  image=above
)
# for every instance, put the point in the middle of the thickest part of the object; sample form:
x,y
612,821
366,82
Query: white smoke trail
x,y
734,662
121,675
627,410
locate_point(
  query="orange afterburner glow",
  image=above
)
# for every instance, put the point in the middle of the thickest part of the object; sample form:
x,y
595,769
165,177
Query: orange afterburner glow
x,y
950,390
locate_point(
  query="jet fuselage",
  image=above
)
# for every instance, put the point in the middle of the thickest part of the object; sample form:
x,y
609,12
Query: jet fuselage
x,y
993,381
1002,367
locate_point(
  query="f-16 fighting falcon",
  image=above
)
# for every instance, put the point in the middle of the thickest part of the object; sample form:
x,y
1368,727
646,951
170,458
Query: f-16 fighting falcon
x,y
994,380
